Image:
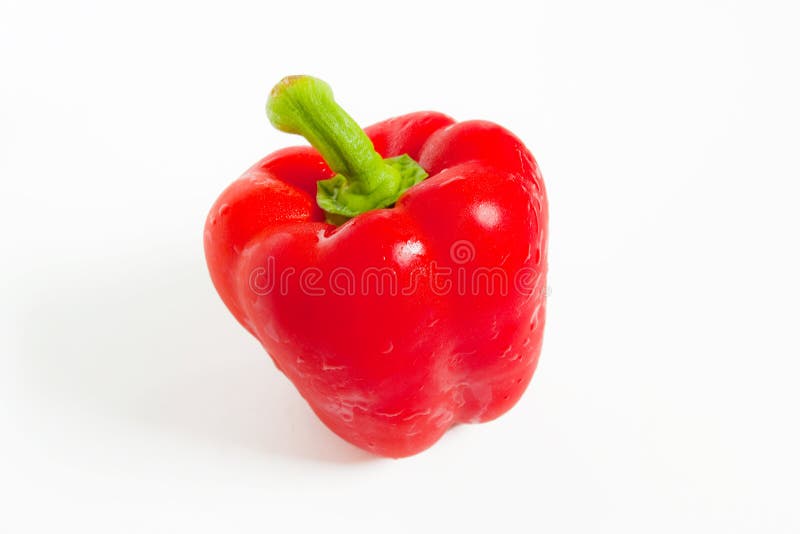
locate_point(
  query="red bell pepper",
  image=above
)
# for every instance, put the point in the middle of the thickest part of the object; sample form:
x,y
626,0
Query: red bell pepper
x,y
411,295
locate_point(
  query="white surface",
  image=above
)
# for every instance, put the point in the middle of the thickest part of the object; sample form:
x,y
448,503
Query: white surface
x,y
666,399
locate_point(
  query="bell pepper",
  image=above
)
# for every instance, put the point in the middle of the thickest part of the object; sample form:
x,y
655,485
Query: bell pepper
x,y
396,275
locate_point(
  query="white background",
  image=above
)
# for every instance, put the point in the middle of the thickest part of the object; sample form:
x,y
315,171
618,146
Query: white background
x,y
667,395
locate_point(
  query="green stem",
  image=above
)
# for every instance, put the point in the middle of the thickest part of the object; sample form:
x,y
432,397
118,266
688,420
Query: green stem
x,y
364,180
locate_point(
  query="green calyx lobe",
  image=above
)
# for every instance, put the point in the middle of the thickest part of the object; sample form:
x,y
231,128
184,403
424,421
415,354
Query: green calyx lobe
x,y
364,180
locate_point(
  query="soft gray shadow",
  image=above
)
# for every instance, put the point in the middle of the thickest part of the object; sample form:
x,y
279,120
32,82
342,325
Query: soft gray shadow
x,y
145,339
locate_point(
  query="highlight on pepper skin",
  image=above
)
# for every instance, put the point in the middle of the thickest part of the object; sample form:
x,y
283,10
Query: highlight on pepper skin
x,y
396,274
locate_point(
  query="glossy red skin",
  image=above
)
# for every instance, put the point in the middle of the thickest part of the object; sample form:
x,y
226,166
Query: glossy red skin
x,y
392,372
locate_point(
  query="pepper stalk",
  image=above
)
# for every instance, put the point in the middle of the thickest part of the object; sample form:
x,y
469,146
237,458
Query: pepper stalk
x,y
364,180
